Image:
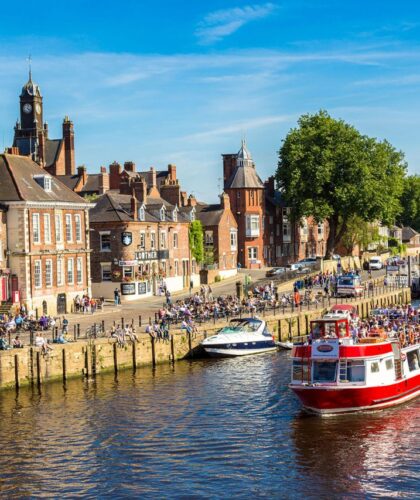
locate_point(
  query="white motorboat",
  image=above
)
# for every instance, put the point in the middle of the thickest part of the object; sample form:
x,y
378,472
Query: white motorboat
x,y
285,345
243,336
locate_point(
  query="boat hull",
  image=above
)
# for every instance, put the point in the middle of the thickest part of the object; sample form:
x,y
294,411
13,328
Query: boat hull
x,y
221,352
338,399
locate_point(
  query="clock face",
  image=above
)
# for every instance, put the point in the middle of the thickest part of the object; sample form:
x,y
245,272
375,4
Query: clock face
x,y
27,108
38,108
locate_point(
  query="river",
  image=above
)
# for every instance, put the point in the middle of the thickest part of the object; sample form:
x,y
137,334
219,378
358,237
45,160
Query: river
x,y
209,428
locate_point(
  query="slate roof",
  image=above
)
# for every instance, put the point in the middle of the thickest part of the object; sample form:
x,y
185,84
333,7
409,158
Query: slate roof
x,y
17,182
244,177
209,215
408,233
52,150
116,207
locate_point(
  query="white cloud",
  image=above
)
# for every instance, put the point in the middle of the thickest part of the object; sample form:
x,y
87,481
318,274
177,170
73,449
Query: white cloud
x,y
240,127
222,23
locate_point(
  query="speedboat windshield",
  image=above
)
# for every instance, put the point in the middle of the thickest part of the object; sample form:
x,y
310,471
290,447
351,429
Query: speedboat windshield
x,y
242,325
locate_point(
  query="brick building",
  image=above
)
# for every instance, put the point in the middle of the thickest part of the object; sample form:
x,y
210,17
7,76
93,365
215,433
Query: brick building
x,y
31,135
246,193
220,236
140,240
47,232
285,240
4,266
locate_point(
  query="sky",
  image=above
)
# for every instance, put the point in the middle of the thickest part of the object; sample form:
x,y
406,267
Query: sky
x,y
183,82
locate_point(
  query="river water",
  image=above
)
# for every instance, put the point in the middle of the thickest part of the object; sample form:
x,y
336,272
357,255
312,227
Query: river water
x,y
209,428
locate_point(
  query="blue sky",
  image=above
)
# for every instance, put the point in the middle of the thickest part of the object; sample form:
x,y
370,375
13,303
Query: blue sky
x,y
181,82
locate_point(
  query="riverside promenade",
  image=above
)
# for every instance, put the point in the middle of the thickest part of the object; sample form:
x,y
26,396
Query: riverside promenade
x,y
87,358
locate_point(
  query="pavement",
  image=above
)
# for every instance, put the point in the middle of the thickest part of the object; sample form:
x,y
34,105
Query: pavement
x,y
147,307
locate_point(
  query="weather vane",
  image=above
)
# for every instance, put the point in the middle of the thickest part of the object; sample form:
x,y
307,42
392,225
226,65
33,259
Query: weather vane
x,y
29,59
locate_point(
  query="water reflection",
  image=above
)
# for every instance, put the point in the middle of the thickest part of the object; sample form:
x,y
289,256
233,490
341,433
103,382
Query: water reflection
x,y
375,453
208,428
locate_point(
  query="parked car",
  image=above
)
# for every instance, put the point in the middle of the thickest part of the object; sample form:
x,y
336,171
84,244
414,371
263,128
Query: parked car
x,y
303,270
293,267
309,261
375,263
276,271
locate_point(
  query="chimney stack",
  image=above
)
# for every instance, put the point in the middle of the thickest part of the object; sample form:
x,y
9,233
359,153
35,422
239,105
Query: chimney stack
x,y
114,175
81,172
225,201
68,138
172,172
129,166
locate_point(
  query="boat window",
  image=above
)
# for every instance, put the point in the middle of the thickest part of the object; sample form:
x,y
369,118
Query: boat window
x,y
300,371
325,371
352,371
374,367
316,330
330,330
413,360
389,364
342,332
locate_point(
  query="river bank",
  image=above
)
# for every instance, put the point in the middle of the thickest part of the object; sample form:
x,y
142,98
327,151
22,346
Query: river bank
x,y
29,366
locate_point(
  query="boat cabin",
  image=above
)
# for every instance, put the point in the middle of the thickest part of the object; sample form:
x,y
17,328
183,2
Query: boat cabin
x,y
330,328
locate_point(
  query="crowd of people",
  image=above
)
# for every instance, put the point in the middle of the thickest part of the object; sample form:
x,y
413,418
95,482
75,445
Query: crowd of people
x,y
400,321
86,304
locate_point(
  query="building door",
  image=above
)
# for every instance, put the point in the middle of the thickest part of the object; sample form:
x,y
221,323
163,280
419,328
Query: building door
x,y
185,273
61,303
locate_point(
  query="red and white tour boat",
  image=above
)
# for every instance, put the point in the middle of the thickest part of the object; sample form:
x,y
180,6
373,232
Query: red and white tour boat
x,y
332,373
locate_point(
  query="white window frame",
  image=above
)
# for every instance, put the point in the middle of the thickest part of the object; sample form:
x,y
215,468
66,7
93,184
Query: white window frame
x,y
175,215
47,228
252,226
163,240
252,253
79,270
142,239
70,271
37,274
152,240
175,240
48,275
233,239
176,267
101,234
106,265
78,227
69,228
36,229
162,214
142,213
60,281
58,228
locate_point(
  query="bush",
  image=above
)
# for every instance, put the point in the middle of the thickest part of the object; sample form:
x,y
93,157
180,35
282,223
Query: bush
x,y
217,279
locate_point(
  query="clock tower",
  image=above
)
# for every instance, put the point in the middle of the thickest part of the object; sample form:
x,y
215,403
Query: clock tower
x,y
29,131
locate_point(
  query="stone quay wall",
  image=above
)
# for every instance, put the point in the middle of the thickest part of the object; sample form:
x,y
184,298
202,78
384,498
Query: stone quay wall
x,y
26,366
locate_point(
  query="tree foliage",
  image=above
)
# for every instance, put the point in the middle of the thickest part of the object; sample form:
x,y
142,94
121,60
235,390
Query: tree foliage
x,y
410,201
359,233
196,240
331,171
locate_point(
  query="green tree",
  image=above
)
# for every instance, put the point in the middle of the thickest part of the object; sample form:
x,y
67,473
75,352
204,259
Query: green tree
x,y
329,170
196,239
359,233
410,201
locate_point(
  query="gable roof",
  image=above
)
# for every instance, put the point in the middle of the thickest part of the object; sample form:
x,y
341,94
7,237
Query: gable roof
x,y
17,182
209,215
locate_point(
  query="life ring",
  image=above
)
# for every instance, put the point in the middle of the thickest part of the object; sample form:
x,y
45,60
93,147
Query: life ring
x,y
411,338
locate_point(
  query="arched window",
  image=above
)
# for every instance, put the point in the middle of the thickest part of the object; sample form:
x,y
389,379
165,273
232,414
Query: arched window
x,y
142,213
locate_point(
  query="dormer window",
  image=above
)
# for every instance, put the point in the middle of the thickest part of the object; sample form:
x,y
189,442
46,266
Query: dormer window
x,y
175,215
44,181
192,215
162,214
142,213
